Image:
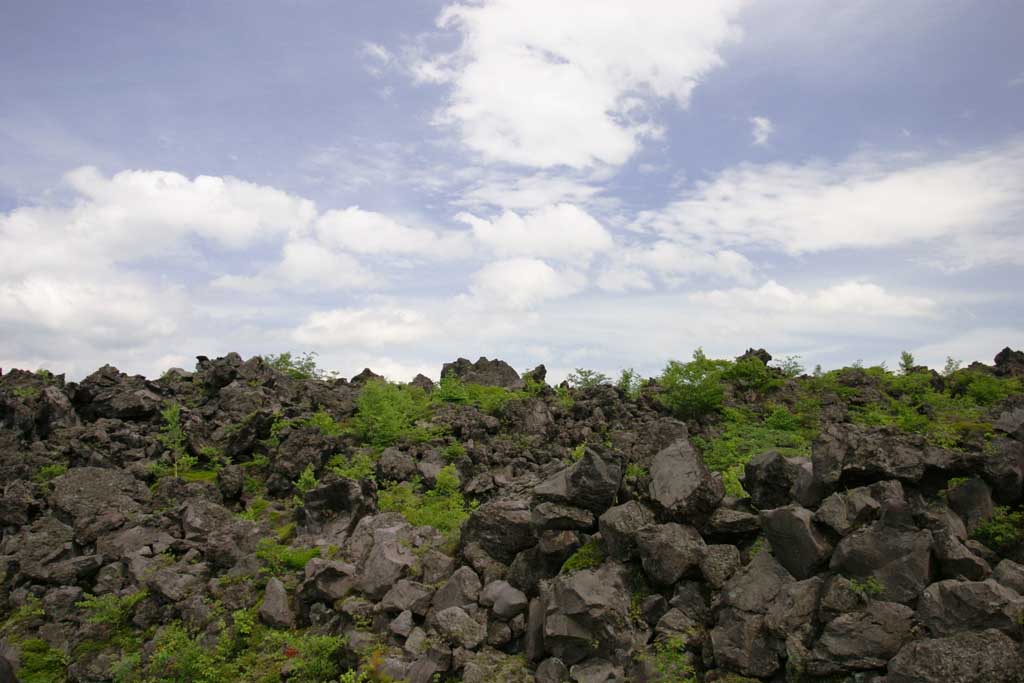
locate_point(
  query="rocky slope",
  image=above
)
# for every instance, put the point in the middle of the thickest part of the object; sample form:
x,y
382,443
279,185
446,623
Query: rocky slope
x,y
244,522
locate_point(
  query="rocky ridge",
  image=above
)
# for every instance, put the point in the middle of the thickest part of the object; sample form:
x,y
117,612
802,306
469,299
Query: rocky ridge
x,y
244,522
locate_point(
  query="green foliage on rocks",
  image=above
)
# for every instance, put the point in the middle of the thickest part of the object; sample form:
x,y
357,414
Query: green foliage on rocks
x,y
587,556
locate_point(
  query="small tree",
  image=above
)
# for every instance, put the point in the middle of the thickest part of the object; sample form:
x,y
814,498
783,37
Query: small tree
x,y
952,365
692,390
907,362
172,436
586,379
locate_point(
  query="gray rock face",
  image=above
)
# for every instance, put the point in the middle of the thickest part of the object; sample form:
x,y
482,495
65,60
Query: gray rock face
x,y
956,561
681,483
489,373
865,453
950,607
719,563
861,640
597,671
461,590
590,483
668,551
552,670
586,613
793,608
503,599
972,500
844,512
754,588
900,560
557,517
459,628
388,560
85,493
983,657
491,666
729,522
409,596
619,526
770,479
501,528
275,610
327,580
741,643
797,544
395,465
1011,422
1010,574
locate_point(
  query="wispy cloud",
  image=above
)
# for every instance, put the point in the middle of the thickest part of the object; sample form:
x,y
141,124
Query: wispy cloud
x,y
762,129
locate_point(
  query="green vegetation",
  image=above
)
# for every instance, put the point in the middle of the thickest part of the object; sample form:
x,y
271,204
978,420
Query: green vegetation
x,y
867,588
581,378
26,392
454,451
111,609
442,507
1004,530
491,400
357,466
694,389
790,366
297,367
387,414
48,473
577,453
307,481
907,362
750,374
629,383
587,556
41,663
321,420
281,559
671,662
173,438
635,472
255,508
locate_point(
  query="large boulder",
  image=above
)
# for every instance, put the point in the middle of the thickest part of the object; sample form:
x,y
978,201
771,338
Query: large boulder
x,y
501,528
619,526
899,559
590,483
459,628
110,393
972,500
90,494
275,610
504,600
489,373
861,640
681,484
844,512
586,613
669,551
951,606
755,587
979,657
741,642
771,479
798,545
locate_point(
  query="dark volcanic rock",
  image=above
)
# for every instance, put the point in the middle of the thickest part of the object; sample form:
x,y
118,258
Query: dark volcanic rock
x,y
681,483
980,657
900,560
590,483
489,373
797,544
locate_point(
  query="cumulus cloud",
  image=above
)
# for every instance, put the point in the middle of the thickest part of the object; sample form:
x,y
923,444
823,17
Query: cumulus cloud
x,y
369,232
304,265
959,205
570,83
367,327
527,192
762,128
522,283
560,232
847,298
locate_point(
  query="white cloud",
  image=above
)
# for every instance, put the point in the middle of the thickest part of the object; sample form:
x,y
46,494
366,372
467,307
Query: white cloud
x,y
569,83
980,344
762,129
675,263
561,232
958,206
368,327
368,232
522,283
1017,81
847,298
527,192
304,265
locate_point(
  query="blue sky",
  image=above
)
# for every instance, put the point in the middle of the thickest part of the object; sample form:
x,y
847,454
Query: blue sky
x,y
582,183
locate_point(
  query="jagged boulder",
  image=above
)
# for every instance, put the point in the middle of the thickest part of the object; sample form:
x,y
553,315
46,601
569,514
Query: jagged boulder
x,y
681,484
489,373
741,642
90,494
949,607
619,526
771,479
669,551
798,545
586,613
861,640
899,559
590,483
501,528
844,512
979,657
275,610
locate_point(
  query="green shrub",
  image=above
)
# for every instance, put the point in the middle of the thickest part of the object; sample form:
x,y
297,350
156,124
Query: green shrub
x,y
297,367
357,466
48,473
582,378
743,436
629,383
111,609
387,413
635,471
1003,530
694,389
671,662
867,587
454,451
491,400
26,392
173,438
442,507
41,663
281,558
587,556
307,481
907,363
751,373
790,366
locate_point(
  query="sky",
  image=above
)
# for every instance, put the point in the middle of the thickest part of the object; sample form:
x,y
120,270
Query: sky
x,y
588,183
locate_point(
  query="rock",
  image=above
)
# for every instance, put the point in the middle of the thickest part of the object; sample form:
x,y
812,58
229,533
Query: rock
x,y
554,516
1009,363
754,588
955,560
862,454
403,624
719,563
668,551
793,609
85,493
844,512
275,610
488,373
552,670
900,560
770,479
741,643
597,671
395,465
423,382
408,596
586,613
389,559
861,640
7,671
461,590
589,483
984,657
503,599
459,628
950,607
327,580
797,544
1010,574
619,526
1011,422
230,481
491,666
733,522
972,500
681,483
18,504
533,640
501,528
